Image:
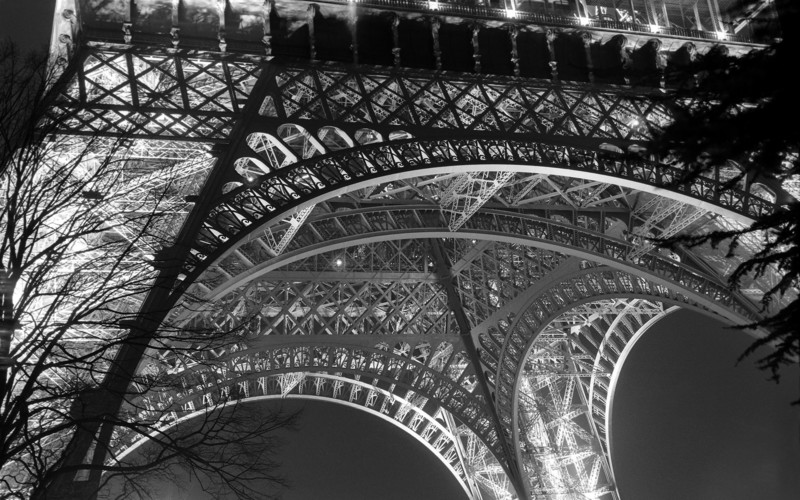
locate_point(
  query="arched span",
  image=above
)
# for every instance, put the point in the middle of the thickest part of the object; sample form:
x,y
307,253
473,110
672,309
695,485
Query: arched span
x,y
581,287
340,230
584,346
618,365
520,330
239,213
236,372
436,433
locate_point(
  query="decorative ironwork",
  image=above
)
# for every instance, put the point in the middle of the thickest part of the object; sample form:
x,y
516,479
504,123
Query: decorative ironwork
x,y
239,212
138,93
495,347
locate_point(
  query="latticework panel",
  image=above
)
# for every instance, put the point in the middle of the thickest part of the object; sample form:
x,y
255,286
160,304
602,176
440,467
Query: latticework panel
x,y
135,93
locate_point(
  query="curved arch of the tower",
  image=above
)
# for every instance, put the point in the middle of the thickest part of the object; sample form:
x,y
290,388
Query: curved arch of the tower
x,y
411,227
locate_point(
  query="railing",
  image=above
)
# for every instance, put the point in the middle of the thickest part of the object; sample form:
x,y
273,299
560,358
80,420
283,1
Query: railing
x,y
467,9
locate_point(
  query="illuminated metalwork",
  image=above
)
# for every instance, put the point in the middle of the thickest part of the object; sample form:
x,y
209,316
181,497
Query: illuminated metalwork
x,y
464,252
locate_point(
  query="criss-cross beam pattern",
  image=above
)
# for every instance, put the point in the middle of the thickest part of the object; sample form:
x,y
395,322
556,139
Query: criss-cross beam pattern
x,y
131,92
310,303
412,101
563,395
237,213
556,415
457,251
395,222
430,370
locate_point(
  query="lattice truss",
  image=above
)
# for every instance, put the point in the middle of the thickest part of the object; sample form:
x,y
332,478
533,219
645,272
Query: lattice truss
x,y
563,397
302,303
386,298
137,93
316,285
414,100
278,189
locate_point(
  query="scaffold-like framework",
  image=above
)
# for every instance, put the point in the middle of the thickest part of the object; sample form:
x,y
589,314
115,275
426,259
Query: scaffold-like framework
x,y
465,254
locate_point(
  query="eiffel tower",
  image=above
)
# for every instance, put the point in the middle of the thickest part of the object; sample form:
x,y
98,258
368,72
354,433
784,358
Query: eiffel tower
x,y
436,211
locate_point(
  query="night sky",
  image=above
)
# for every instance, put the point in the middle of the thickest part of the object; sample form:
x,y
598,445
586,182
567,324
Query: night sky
x,y
688,422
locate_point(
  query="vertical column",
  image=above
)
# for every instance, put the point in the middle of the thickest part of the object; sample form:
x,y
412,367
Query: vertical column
x,y
266,12
661,61
698,25
175,30
650,12
633,11
586,38
513,32
7,323
352,17
618,43
127,25
67,28
551,37
716,18
437,50
396,39
221,5
310,14
476,50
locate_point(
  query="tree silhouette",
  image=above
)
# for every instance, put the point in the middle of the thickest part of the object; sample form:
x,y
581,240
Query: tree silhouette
x,y
738,114
81,223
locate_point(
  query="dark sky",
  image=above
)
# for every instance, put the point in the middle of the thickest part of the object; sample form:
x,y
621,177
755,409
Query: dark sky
x,y
688,423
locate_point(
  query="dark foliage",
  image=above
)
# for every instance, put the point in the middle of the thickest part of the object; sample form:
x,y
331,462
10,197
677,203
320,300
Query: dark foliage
x,y
77,236
744,110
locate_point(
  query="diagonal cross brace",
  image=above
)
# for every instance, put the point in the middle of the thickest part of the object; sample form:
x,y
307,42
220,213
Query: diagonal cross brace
x,y
450,284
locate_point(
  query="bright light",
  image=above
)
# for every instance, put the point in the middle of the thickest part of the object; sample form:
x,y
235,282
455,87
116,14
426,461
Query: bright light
x,y
584,21
654,28
19,288
722,35
339,262
511,13
433,5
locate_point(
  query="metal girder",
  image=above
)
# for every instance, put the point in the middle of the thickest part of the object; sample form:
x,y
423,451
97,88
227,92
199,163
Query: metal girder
x,y
237,214
451,289
436,431
391,368
410,100
393,223
128,92
302,248
468,193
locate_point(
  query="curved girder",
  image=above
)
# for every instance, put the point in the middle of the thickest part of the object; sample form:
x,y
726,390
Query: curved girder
x,y
433,430
206,382
583,286
564,401
339,230
514,337
237,215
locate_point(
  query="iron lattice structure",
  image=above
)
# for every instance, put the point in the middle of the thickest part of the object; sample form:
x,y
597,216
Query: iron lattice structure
x,y
433,211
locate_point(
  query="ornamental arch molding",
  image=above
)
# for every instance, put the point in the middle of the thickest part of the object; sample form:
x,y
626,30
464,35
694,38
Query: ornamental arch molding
x,y
455,445
262,201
